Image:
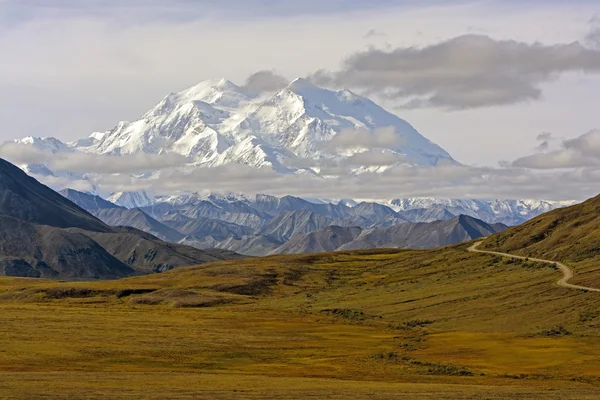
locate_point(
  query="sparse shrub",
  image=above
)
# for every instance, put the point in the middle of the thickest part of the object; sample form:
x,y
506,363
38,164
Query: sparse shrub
x,y
515,376
387,356
587,316
353,315
130,292
417,323
254,287
557,331
64,293
145,300
449,369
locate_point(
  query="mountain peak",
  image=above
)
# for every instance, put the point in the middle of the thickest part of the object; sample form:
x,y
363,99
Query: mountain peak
x,y
220,84
218,92
300,85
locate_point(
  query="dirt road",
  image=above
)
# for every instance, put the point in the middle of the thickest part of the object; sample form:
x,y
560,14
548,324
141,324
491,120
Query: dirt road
x,y
567,272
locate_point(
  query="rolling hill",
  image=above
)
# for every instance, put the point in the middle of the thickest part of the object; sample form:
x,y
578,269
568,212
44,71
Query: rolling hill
x,y
570,235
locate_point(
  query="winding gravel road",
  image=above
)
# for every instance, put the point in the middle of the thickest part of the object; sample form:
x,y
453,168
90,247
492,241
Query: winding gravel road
x,y
567,272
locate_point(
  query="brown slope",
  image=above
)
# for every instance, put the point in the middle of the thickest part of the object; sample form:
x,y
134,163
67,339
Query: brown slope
x,y
146,254
570,234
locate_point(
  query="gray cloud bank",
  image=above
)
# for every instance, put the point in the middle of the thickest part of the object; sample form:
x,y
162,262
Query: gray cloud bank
x,y
265,81
107,174
447,181
468,71
90,163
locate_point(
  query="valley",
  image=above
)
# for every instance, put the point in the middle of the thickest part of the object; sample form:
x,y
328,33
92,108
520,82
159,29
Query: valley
x,y
393,324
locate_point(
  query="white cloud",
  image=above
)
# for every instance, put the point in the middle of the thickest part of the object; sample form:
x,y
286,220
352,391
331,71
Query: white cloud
x,y
583,151
80,162
126,164
399,181
18,153
351,138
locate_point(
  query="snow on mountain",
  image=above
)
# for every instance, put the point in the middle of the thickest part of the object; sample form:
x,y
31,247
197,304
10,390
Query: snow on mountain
x,y
48,144
216,123
130,199
302,116
509,212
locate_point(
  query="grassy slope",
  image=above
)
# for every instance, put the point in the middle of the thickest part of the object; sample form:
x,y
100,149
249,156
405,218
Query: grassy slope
x,y
357,324
571,235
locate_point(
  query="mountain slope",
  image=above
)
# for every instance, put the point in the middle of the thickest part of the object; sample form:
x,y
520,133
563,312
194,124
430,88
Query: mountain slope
x,y
327,239
87,201
114,215
24,198
40,251
201,227
130,199
570,234
136,218
302,116
407,235
250,245
422,235
288,224
150,255
43,234
435,213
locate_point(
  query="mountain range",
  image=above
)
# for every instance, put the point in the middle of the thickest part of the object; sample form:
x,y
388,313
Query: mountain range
x,y
301,129
43,234
269,225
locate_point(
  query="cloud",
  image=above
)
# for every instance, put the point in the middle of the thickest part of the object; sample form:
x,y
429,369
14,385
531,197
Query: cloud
x,y
265,81
544,136
374,33
352,138
583,151
126,164
18,153
587,144
373,157
525,178
592,39
467,71
80,162
447,181
183,10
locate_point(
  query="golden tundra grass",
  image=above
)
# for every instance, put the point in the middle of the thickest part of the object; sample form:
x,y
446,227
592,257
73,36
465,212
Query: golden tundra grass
x,y
436,324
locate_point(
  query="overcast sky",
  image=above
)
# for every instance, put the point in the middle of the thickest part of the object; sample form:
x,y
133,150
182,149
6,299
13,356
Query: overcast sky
x,y
486,80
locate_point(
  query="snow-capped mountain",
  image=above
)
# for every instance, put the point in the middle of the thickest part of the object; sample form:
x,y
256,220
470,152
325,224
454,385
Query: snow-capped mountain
x,y
216,123
297,130
130,199
509,212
